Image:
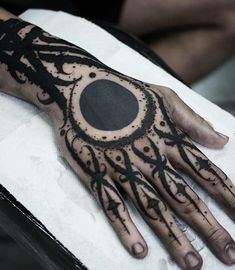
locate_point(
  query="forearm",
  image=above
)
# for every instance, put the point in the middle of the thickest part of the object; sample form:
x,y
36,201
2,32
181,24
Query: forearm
x,y
8,64
7,83
37,66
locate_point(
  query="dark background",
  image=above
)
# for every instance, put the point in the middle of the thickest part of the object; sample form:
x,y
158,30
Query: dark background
x,y
107,10
15,257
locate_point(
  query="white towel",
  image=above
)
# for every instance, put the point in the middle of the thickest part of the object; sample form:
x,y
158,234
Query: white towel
x,y
32,170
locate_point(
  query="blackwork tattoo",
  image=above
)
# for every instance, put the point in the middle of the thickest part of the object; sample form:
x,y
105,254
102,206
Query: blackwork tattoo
x,y
167,176
105,117
97,95
140,189
189,152
99,183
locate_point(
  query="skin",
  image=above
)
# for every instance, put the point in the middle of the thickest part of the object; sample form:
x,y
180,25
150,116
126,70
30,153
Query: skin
x,y
138,153
184,32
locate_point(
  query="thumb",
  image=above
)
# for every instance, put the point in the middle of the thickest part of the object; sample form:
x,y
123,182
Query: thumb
x,y
191,123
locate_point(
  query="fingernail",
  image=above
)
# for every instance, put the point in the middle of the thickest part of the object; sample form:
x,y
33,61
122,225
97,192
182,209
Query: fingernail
x,y
137,249
191,260
222,135
230,251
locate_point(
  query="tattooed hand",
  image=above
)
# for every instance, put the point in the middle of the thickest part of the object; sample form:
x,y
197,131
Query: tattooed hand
x,y
117,132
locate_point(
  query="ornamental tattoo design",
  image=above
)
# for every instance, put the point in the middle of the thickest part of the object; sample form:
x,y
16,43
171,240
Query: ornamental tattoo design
x,y
106,118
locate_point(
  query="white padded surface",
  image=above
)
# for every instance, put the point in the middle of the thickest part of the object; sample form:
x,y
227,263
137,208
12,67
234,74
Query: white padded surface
x,y
32,170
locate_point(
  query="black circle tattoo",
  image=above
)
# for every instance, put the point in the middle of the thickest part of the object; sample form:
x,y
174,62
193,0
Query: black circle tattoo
x,y
106,105
127,102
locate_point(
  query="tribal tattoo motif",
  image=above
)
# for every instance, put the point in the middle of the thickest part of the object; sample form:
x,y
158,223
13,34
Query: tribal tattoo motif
x,y
106,116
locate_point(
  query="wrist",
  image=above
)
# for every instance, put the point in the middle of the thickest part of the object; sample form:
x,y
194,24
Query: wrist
x,y
14,47
39,67
7,83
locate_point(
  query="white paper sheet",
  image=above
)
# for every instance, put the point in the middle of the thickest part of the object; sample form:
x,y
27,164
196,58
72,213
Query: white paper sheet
x,y
32,170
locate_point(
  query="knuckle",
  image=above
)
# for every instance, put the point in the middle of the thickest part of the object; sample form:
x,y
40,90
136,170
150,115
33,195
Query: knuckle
x,y
216,235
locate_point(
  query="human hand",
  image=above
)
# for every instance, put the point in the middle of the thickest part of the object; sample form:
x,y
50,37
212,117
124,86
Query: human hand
x,y
115,132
